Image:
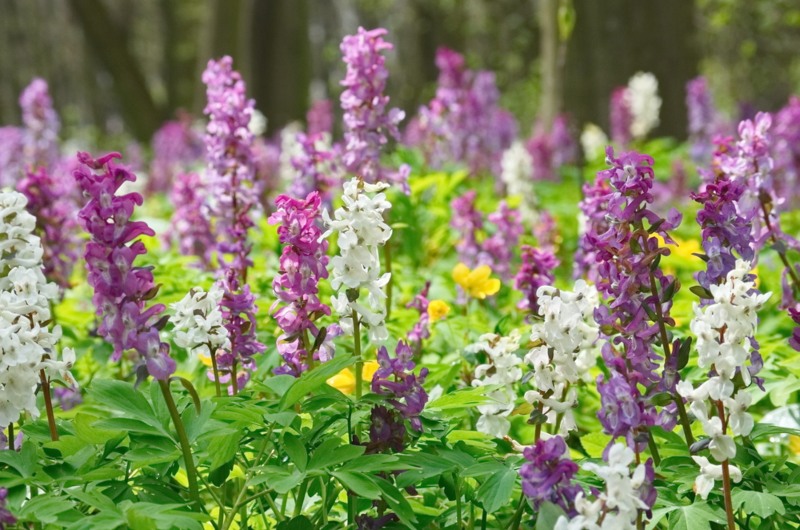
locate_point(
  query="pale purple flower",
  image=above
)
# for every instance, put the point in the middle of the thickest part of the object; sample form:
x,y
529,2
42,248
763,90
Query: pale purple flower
x,y
40,135
11,164
368,122
550,150
303,264
421,329
319,118
704,120
317,168
538,269
497,250
785,149
620,117
56,222
467,221
190,227
176,146
121,290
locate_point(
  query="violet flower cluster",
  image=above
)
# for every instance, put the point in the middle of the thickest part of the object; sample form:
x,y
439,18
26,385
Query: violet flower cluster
x,y
497,250
551,149
303,264
368,123
634,289
421,329
40,135
56,221
190,227
233,194
395,379
704,120
463,122
547,474
11,164
785,149
468,221
176,145
620,117
319,118
592,220
121,290
537,270
316,166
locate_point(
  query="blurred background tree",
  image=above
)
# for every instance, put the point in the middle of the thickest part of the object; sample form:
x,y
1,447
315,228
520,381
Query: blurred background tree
x,y
127,65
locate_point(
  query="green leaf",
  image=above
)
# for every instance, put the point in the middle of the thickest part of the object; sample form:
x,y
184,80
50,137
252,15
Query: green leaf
x,y
310,380
296,450
396,500
361,484
548,516
765,429
466,398
757,502
86,430
301,522
222,447
44,509
332,452
697,516
120,396
595,443
279,479
496,491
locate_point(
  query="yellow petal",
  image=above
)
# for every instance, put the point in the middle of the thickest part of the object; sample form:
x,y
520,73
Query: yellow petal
x,y
367,371
206,360
480,274
460,273
344,381
437,310
491,287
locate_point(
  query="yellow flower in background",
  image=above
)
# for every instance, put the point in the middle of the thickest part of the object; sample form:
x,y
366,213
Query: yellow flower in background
x,y
477,283
345,381
437,310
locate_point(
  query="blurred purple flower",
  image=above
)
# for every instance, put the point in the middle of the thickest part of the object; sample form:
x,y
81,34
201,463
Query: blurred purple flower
x,y
467,221
395,379
538,268
497,250
547,474
176,145
40,135
190,227
621,117
319,118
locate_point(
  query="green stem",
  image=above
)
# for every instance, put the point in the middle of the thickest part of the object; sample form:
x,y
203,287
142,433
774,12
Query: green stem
x,y
515,520
248,475
48,405
299,498
234,380
323,510
726,473
216,370
359,360
387,257
191,472
484,517
458,501
11,436
274,507
654,450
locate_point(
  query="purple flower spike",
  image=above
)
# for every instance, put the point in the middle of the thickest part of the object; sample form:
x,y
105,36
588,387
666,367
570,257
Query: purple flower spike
x,y
396,380
621,117
537,270
547,474
56,220
421,329
190,227
497,250
303,264
176,145
368,123
467,221
41,126
121,290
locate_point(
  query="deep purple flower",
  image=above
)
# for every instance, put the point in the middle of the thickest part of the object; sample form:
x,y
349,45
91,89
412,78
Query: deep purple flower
x,y
551,149
190,227
621,117
395,379
40,136
176,145
547,474
5,516
121,290
625,252
368,123
367,522
303,264
56,222
497,250
387,431
467,221
319,118
538,267
593,220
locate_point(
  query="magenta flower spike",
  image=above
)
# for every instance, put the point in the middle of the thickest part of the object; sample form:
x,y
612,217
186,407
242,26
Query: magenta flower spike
x,y
121,290
368,122
303,264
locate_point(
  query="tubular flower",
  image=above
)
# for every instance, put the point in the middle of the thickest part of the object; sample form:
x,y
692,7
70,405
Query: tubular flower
x,y
724,331
190,226
497,250
563,356
361,232
395,379
476,283
592,220
368,125
56,221
303,264
536,271
625,252
502,369
547,474
40,136
421,329
197,322
121,290
27,346
467,221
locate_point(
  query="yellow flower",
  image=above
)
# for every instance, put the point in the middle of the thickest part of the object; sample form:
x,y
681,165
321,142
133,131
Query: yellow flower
x,y
476,283
794,444
345,381
437,310
205,359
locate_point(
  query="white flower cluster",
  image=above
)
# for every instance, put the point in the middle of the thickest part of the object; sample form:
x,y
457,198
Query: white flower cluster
x,y
361,231
710,473
723,330
290,148
503,369
198,322
617,507
517,174
563,353
645,105
27,346
593,142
